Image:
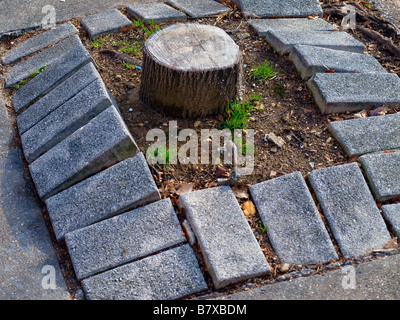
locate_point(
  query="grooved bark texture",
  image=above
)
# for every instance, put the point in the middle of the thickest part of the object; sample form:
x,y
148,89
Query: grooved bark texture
x,y
190,70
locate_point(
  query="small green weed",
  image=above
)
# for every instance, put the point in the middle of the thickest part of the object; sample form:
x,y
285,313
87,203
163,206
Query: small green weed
x,y
98,42
31,76
237,115
152,29
263,227
161,155
128,65
138,23
263,72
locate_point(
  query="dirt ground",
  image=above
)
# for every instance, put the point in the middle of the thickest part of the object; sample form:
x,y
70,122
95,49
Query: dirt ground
x,y
289,113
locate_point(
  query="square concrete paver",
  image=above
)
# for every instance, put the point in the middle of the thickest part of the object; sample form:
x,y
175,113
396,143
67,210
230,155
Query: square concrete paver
x,y
105,22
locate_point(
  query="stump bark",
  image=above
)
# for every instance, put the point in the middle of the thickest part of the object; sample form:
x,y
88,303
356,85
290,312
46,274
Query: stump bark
x,y
190,70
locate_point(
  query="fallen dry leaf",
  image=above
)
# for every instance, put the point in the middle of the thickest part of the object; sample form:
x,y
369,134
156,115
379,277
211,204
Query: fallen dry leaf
x,y
248,208
185,188
241,192
381,111
392,244
221,172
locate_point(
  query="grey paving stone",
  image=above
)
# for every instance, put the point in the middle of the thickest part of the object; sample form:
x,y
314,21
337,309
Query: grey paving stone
x,y
391,212
283,41
229,248
271,8
382,171
169,275
56,97
199,8
124,186
126,237
6,129
262,26
104,141
58,71
26,247
155,12
23,69
310,60
365,135
39,42
109,21
295,228
65,120
342,92
350,209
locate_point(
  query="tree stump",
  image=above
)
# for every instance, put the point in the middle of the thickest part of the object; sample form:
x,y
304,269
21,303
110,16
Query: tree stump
x,y
190,70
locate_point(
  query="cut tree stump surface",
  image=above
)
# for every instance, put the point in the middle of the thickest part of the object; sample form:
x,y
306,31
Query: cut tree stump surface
x,y
190,70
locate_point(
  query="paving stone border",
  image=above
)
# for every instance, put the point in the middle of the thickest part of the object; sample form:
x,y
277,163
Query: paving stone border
x,y
102,142
57,72
23,69
93,186
122,187
65,120
126,237
57,97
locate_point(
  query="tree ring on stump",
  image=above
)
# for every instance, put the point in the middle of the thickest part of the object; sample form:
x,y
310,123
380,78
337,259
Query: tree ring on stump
x,y
190,70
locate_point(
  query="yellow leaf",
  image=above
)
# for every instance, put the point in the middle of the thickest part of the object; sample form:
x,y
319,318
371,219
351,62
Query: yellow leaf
x,y
248,208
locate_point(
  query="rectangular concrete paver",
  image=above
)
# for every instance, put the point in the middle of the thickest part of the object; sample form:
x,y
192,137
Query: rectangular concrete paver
x,y
124,186
350,209
155,12
58,71
229,247
287,8
39,42
262,26
126,237
382,171
342,92
23,69
104,141
105,22
310,60
371,134
391,212
56,97
283,41
199,8
168,275
294,225
65,120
